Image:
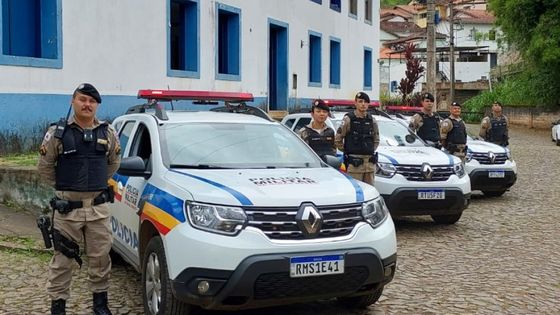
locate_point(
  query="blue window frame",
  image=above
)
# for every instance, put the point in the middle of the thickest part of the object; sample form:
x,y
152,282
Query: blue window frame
x,y
183,41
334,63
314,59
335,5
31,33
367,68
228,40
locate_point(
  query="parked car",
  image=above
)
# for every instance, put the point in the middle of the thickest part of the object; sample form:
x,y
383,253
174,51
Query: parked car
x,y
491,167
556,132
412,177
229,211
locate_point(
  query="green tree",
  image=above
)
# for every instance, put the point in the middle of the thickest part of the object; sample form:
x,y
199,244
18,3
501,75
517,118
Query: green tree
x,y
392,3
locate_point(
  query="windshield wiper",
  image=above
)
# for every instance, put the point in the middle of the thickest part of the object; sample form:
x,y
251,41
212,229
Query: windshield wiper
x,y
199,166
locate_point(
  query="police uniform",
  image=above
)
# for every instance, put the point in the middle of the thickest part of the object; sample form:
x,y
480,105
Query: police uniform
x,y
320,140
495,129
78,163
454,137
358,137
426,126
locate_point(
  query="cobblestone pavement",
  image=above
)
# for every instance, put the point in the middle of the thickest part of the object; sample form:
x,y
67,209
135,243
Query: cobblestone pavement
x,y
502,257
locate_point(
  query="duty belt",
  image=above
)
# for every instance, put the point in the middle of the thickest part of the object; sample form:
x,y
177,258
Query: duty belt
x,y
66,206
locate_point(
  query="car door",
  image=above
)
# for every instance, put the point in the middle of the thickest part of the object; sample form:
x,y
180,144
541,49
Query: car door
x,y
125,220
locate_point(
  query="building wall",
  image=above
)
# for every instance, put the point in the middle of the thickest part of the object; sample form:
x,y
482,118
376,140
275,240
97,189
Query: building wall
x,y
121,46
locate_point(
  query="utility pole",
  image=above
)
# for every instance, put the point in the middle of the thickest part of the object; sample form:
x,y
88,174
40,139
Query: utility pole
x,y
451,53
431,48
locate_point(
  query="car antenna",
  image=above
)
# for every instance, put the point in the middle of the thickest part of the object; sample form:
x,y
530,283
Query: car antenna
x,y
172,108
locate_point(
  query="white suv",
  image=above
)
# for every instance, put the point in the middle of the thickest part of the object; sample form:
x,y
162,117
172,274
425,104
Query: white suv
x,y
231,211
412,177
491,167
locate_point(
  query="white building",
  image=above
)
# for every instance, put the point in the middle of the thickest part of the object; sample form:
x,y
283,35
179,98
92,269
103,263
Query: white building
x,y
285,52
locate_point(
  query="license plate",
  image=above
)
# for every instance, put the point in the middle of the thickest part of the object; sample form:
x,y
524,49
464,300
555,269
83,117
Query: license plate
x,y
496,174
316,265
431,194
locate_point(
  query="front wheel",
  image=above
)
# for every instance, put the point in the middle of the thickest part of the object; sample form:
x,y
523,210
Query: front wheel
x,y
362,301
447,219
156,285
493,193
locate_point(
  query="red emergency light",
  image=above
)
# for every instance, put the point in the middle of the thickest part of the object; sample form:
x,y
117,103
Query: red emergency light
x,y
335,102
170,95
398,108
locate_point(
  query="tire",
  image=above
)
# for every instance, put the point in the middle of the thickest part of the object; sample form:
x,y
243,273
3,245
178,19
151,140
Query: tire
x,y
360,302
493,193
447,219
156,286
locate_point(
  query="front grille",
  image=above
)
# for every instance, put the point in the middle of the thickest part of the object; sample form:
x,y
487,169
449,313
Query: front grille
x,y
280,222
280,285
414,172
483,158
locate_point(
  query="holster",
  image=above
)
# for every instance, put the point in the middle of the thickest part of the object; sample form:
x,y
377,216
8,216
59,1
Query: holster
x,y
44,224
66,246
355,161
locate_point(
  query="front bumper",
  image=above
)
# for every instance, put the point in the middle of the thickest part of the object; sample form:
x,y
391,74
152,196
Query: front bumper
x,y
404,201
264,280
481,181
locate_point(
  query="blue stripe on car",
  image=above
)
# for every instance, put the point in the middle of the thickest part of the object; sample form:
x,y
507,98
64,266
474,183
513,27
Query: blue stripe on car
x,y
392,160
359,191
165,201
239,196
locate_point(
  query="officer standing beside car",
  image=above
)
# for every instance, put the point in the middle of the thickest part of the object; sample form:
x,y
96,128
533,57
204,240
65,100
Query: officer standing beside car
x,y
358,137
494,128
317,134
454,133
77,157
426,124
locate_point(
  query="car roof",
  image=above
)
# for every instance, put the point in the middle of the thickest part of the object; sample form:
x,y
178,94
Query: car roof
x,y
206,117
336,116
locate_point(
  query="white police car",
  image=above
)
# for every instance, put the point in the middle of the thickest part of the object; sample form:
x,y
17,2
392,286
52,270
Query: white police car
x,y
556,132
413,178
231,211
491,167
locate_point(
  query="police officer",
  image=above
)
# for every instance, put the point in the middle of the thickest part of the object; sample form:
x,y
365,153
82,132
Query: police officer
x,y
317,134
494,128
78,157
426,123
454,133
358,137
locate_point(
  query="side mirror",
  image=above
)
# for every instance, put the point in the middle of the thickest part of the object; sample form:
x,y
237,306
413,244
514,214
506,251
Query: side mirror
x,y
332,161
134,166
409,138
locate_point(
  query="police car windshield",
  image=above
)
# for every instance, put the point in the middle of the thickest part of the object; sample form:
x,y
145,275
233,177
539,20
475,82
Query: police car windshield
x,y
393,133
234,145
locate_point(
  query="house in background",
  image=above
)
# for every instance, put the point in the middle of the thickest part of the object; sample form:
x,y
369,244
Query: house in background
x,y
476,48
285,52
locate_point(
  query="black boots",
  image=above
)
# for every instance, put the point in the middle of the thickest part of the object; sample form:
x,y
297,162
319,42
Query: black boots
x,y
100,304
58,307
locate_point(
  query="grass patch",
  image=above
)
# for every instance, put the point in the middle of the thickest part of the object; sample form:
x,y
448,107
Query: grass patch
x,y
28,159
27,242
25,254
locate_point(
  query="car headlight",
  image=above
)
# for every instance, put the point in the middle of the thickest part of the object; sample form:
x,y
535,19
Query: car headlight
x,y
459,169
508,155
386,170
214,218
375,211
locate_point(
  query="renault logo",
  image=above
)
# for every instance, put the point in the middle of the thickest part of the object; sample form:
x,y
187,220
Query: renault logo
x,y
309,220
427,171
492,157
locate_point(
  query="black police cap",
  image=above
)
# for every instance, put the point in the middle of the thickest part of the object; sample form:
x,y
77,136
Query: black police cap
x,y
428,96
362,96
319,103
89,90
456,104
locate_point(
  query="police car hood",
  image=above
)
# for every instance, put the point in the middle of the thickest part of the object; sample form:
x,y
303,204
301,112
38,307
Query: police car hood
x,y
271,187
479,146
414,156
